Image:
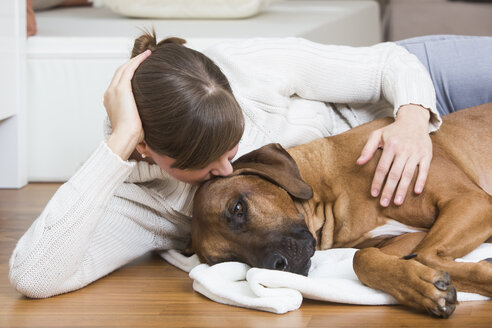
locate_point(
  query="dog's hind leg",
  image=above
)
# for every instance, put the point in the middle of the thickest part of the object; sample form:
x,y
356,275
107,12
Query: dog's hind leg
x,y
463,224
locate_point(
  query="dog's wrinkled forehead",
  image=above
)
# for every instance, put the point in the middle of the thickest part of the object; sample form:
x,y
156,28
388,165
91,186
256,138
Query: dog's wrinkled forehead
x,y
255,198
214,194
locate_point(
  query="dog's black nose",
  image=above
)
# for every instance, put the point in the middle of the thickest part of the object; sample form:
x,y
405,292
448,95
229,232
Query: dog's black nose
x,y
305,234
301,232
276,261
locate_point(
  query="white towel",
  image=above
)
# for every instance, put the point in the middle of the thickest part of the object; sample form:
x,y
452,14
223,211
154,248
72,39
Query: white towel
x,y
331,278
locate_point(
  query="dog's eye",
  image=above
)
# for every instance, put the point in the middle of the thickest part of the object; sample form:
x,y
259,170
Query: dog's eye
x,y
238,209
236,216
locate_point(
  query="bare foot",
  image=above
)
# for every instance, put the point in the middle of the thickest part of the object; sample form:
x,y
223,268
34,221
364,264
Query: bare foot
x,y
30,19
76,3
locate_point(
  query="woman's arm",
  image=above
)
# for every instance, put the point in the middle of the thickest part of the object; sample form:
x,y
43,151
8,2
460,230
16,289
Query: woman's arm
x,y
81,235
329,73
85,232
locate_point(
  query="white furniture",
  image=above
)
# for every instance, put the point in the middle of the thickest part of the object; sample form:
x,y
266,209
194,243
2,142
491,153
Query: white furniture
x,y
72,59
13,169
185,9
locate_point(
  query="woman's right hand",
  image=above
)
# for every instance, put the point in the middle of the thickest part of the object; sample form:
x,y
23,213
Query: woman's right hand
x,y
122,110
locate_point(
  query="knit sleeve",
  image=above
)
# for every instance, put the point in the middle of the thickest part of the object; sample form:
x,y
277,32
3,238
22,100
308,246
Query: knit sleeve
x,y
81,235
330,73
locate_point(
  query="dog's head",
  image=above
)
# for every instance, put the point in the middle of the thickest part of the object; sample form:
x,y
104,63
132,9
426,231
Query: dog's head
x,y
250,215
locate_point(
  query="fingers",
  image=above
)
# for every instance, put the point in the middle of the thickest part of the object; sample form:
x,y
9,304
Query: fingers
x,y
132,65
406,179
122,78
382,170
392,180
407,176
128,68
400,173
423,172
372,144
119,101
117,76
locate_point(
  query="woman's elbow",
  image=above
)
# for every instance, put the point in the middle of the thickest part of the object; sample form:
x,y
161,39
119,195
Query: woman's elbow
x,y
31,285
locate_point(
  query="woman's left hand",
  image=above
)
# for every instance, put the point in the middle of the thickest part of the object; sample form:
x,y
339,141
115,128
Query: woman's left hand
x,y
406,145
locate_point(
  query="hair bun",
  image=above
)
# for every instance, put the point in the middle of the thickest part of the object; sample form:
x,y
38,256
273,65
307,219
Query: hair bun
x,y
174,40
144,42
148,41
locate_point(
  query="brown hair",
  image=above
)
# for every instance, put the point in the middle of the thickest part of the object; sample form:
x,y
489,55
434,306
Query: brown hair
x,y
185,102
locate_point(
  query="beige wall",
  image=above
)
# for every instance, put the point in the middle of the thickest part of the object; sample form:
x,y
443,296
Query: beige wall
x,y
410,18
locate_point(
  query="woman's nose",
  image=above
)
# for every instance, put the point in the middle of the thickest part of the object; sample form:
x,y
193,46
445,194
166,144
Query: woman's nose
x,y
223,168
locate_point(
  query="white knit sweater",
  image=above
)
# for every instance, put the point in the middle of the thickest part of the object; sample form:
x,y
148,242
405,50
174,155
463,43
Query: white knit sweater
x,y
291,91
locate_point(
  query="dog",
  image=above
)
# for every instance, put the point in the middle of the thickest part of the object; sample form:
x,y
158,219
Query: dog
x,y
279,206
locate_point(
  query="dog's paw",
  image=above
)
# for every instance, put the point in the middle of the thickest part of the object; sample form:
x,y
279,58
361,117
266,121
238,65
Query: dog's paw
x,y
430,290
446,301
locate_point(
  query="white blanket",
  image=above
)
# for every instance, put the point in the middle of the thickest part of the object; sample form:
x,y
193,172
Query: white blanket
x,y
331,278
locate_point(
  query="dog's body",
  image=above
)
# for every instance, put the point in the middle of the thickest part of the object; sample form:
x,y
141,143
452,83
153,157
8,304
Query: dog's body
x,y
259,215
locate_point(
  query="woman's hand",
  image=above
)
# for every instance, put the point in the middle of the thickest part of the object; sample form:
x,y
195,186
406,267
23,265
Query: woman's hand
x,y
406,145
122,109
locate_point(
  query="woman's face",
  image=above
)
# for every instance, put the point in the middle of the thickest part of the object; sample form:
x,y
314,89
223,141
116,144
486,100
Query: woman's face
x,y
220,167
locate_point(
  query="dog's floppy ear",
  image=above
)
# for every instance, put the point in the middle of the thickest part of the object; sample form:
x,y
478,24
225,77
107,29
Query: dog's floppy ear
x,y
274,163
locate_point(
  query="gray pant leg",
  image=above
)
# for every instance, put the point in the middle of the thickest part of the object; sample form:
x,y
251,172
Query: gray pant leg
x,y
460,68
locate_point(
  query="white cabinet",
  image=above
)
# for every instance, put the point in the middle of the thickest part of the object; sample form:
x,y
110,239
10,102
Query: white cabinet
x,y
12,94
9,58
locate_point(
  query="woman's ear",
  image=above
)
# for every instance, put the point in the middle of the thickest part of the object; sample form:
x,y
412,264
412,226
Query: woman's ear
x,y
142,153
143,149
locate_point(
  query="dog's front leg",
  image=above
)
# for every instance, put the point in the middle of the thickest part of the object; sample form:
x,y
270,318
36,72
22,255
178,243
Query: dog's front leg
x,y
409,282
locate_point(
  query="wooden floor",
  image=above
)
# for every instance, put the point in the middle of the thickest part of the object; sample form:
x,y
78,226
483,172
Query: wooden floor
x,y
151,293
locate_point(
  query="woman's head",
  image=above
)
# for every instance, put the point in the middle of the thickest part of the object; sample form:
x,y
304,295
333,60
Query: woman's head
x,y
185,103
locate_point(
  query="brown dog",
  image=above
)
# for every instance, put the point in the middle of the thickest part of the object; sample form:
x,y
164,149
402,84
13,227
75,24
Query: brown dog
x,y
279,206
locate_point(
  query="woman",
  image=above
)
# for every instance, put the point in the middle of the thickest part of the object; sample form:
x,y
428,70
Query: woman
x,y
197,112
